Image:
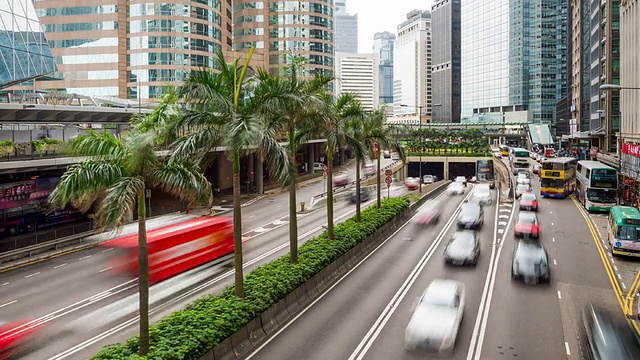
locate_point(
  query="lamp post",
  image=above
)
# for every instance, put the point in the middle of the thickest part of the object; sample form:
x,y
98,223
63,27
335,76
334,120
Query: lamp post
x,y
420,143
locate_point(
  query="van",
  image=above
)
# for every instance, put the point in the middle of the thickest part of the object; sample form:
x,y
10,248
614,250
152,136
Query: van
x,y
317,167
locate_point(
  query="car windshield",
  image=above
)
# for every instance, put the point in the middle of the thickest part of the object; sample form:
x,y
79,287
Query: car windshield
x,y
427,177
526,217
440,295
628,233
460,178
470,209
530,251
465,238
482,190
523,187
529,197
523,175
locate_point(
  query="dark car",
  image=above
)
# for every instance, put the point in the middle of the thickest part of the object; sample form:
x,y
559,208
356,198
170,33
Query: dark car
x,y
463,248
530,263
471,216
605,338
529,201
365,195
527,225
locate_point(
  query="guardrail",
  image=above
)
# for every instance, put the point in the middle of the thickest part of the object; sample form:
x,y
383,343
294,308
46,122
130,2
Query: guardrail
x,y
30,253
353,183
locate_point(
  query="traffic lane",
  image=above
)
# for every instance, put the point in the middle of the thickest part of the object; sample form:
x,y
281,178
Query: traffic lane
x,y
335,325
254,258
389,344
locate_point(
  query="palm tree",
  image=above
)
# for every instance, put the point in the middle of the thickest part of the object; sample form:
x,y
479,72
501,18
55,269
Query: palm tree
x,y
225,110
116,174
387,136
360,130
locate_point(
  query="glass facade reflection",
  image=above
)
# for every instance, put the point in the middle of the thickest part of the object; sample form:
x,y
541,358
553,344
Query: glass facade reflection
x,y
445,71
383,45
24,52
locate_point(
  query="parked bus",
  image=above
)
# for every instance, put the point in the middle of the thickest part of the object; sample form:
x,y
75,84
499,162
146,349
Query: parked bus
x,y
623,231
558,177
175,248
24,207
597,185
519,159
504,150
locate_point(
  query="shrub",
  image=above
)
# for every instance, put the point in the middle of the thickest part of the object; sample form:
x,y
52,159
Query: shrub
x,y
202,325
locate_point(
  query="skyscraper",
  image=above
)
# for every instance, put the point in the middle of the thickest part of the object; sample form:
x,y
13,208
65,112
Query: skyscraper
x,y
412,65
383,44
346,29
24,52
510,57
358,74
445,71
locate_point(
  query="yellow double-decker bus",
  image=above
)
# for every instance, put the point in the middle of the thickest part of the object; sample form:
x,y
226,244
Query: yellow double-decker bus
x,y
558,177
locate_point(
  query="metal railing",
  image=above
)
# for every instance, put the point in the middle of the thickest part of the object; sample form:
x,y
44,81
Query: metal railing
x,y
342,188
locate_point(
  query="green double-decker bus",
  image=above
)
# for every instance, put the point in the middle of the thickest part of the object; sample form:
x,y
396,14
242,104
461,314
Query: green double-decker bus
x,y
623,231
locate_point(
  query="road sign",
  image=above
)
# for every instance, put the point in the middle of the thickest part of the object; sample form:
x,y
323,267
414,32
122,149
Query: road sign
x,y
324,173
324,168
388,180
148,193
388,172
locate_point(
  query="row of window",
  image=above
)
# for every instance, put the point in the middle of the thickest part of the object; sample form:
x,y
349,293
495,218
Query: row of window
x,y
85,26
78,10
162,58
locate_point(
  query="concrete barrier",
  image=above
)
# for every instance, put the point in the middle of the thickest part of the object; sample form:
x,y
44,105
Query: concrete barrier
x,y
280,312
224,351
256,331
240,343
301,296
292,303
269,321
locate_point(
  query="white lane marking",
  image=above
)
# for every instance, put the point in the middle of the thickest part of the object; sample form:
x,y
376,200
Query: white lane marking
x,y
105,269
59,266
505,210
252,216
623,286
606,247
85,257
34,274
500,231
261,230
554,262
279,222
9,303
619,277
550,212
612,261
503,217
553,239
502,223
566,346
615,268
4,284
559,295
107,250
551,224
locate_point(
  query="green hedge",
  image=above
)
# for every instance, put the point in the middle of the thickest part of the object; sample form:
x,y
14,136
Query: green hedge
x,y
202,325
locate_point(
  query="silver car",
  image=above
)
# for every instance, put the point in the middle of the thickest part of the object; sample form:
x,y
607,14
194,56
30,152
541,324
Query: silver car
x,y
482,194
436,319
463,248
523,178
455,188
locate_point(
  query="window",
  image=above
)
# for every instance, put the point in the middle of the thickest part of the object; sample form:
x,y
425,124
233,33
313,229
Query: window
x,y
628,233
602,196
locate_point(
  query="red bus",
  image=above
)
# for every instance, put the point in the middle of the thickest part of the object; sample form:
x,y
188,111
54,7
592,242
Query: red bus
x,y
175,248
17,338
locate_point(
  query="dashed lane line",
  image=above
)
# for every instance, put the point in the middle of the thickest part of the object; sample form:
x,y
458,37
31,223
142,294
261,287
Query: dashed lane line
x,y
9,303
34,274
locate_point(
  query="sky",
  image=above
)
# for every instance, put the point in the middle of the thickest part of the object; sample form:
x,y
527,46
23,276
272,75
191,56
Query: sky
x,y
380,15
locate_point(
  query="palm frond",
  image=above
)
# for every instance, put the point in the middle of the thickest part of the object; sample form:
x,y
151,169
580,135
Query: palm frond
x,y
184,181
121,197
142,147
98,146
196,145
242,133
277,157
82,183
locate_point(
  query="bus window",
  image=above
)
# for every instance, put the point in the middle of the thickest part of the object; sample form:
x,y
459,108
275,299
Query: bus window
x,y
628,233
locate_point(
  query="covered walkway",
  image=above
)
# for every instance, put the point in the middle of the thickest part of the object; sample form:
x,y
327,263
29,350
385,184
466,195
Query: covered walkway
x,y
540,134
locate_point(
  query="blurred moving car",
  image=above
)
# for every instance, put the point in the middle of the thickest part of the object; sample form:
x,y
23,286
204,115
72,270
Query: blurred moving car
x,y
482,194
521,189
394,191
527,224
528,201
428,179
365,194
461,179
436,318
471,216
473,179
412,183
386,154
497,155
318,167
395,156
369,170
341,180
18,338
429,213
455,188
463,248
530,263
524,177
604,338
537,168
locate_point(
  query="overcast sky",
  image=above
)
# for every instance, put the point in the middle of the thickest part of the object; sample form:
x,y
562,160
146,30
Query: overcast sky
x,y
380,15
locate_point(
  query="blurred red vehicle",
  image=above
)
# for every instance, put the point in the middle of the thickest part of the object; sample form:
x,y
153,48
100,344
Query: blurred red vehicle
x,y
412,183
429,214
529,201
16,337
527,224
175,248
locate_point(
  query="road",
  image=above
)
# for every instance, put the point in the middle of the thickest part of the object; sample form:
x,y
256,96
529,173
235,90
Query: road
x,y
65,288
365,314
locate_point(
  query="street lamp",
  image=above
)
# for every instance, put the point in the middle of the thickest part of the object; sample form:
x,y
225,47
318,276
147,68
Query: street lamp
x,y
420,132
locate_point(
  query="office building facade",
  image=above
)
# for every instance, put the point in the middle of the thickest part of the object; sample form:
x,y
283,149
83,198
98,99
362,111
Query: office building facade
x,y
383,45
445,71
346,30
358,74
24,51
412,65
630,72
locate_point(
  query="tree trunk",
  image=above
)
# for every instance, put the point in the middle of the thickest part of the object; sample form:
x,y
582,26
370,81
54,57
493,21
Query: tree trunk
x,y
143,274
330,192
237,226
293,218
378,177
358,218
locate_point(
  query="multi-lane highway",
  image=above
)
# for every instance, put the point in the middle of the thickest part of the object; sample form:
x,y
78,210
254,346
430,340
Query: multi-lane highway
x,y
64,289
365,314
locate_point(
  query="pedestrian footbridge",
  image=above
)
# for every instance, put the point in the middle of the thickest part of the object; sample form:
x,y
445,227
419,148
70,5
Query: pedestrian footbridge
x,y
540,134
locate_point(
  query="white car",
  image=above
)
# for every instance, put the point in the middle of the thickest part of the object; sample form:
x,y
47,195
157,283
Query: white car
x,y
369,170
436,319
455,188
428,179
523,178
461,179
482,194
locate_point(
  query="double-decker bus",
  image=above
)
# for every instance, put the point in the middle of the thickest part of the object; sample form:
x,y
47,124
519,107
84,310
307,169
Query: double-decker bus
x,y
504,150
558,177
24,207
484,170
175,248
519,159
597,185
623,231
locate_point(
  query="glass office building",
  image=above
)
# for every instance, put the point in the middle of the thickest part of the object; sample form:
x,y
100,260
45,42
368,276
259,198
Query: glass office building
x,y
24,52
383,45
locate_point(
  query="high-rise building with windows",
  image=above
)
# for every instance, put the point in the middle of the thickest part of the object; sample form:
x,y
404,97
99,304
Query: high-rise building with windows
x,y
383,45
510,57
346,29
358,74
445,69
412,65
24,51
630,77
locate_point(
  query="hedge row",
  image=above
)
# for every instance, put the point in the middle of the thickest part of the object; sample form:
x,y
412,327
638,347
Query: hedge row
x,y
202,325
